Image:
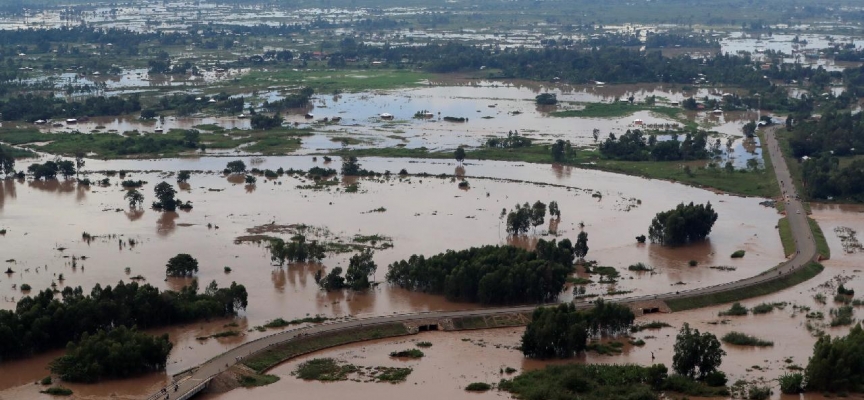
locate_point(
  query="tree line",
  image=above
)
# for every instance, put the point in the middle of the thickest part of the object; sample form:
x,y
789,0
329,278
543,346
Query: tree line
x,y
563,331
683,224
44,322
489,274
823,141
635,146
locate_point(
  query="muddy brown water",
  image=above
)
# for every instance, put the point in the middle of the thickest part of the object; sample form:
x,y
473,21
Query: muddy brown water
x,y
424,215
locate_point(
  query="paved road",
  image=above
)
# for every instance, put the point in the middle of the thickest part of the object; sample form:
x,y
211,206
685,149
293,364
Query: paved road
x,y
797,220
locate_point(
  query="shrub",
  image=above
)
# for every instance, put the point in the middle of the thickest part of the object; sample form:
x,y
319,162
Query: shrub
x,y
403,171
742,339
845,292
424,344
639,267
763,308
736,310
738,254
716,379
478,387
46,380
692,263
792,383
759,392
409,353
640,238
57,391
839,316
25,287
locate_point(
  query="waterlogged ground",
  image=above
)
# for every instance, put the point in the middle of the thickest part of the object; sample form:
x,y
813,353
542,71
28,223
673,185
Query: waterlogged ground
x,y
459,358
45,223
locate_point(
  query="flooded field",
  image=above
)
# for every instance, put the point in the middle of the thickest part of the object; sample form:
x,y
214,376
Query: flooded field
x,y
42,244
459,358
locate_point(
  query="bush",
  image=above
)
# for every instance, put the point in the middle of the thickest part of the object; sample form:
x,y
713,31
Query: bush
x,y
736,310
758,392
692,263
763,308
639,267
25,287
409,353
46,380
478,387
57,391
742,339
792,383
640,239
716,379
738,254
845,292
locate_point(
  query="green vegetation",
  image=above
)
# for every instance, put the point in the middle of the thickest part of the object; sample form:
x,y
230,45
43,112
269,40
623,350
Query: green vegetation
x,y
633,146
118,353
844,315
639,267
15,152
279,322
57,391
691,223
408,353
296,250
651,325
489,274
821,244
478,387
786,236
262,361
787,280
736,310
181,265
615,110
49,322
835,365
696,355
563,331
578,280
327,81
742,339
603,382
792,383
324,369
738,254
256,380
765,308
424,344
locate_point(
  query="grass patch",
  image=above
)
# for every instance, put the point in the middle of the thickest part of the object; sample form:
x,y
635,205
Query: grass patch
x,y
279,322
15,152
324,369
329,81
391,374
57,391
639,267
424,344
407,353
738,254
651,325
766,308
821,244
578,280
688,303
742,339
256,380
264,360
786,237
611,348
736,310
478,387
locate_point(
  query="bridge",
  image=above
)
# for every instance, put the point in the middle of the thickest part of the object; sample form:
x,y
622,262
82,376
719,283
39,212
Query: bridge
x,y
199,377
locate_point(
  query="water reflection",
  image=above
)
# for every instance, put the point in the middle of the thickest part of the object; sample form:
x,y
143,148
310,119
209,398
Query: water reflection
x,y
53,185
7,189
459,171
562,171
134,214
166,224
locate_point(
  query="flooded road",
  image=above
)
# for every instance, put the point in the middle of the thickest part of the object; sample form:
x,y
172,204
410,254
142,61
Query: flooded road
x,y
42,244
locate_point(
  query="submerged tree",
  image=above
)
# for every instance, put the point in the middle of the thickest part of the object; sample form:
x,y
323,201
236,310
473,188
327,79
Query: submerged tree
x,y
459,154
350,166
331,281
360,268
183,176
538,214
7,163
165,193
580,249
554,211
519,219
134,197
181,265
236,167
696,355
682,225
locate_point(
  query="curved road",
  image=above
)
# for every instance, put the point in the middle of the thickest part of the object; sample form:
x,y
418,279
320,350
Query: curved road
x,y
799,225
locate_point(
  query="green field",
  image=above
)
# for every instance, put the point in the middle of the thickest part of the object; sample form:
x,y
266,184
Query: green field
x,y
331,81
688,303
615,110
786,237
821,244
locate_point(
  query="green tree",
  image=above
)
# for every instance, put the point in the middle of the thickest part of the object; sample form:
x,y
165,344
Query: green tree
x,y
561,150
165,193
546,99
519,219
749,129
580,249
79,161
66,168
350,166
183,176
360,267
331,281
538,214
459,154
696,355
134,197
554,211
7,163
181,265
682,225
250,180
836,363
563,331
236,167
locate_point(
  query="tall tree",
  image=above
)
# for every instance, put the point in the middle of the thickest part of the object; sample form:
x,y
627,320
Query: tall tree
x,y
181,265
350,166
360,267
79,161
165,193
554,211
236,167
538,214
7,162
580,249
696,355
459,154
183,176
682,225
134,197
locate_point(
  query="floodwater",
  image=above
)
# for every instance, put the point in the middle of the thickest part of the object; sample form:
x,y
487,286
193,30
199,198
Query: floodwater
x,y
493,108
45,223
459,358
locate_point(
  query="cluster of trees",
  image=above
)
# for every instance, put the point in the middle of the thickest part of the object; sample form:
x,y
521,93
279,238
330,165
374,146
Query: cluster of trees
x,y
293,100
834,135
696,356
7,162
489,274
562,150
635,146
835,365
361,266
296,250
512,141
563,331
32,107
351,167
683,224
264,122
43,322
524,216
116,353
50,169
181,265
546,99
